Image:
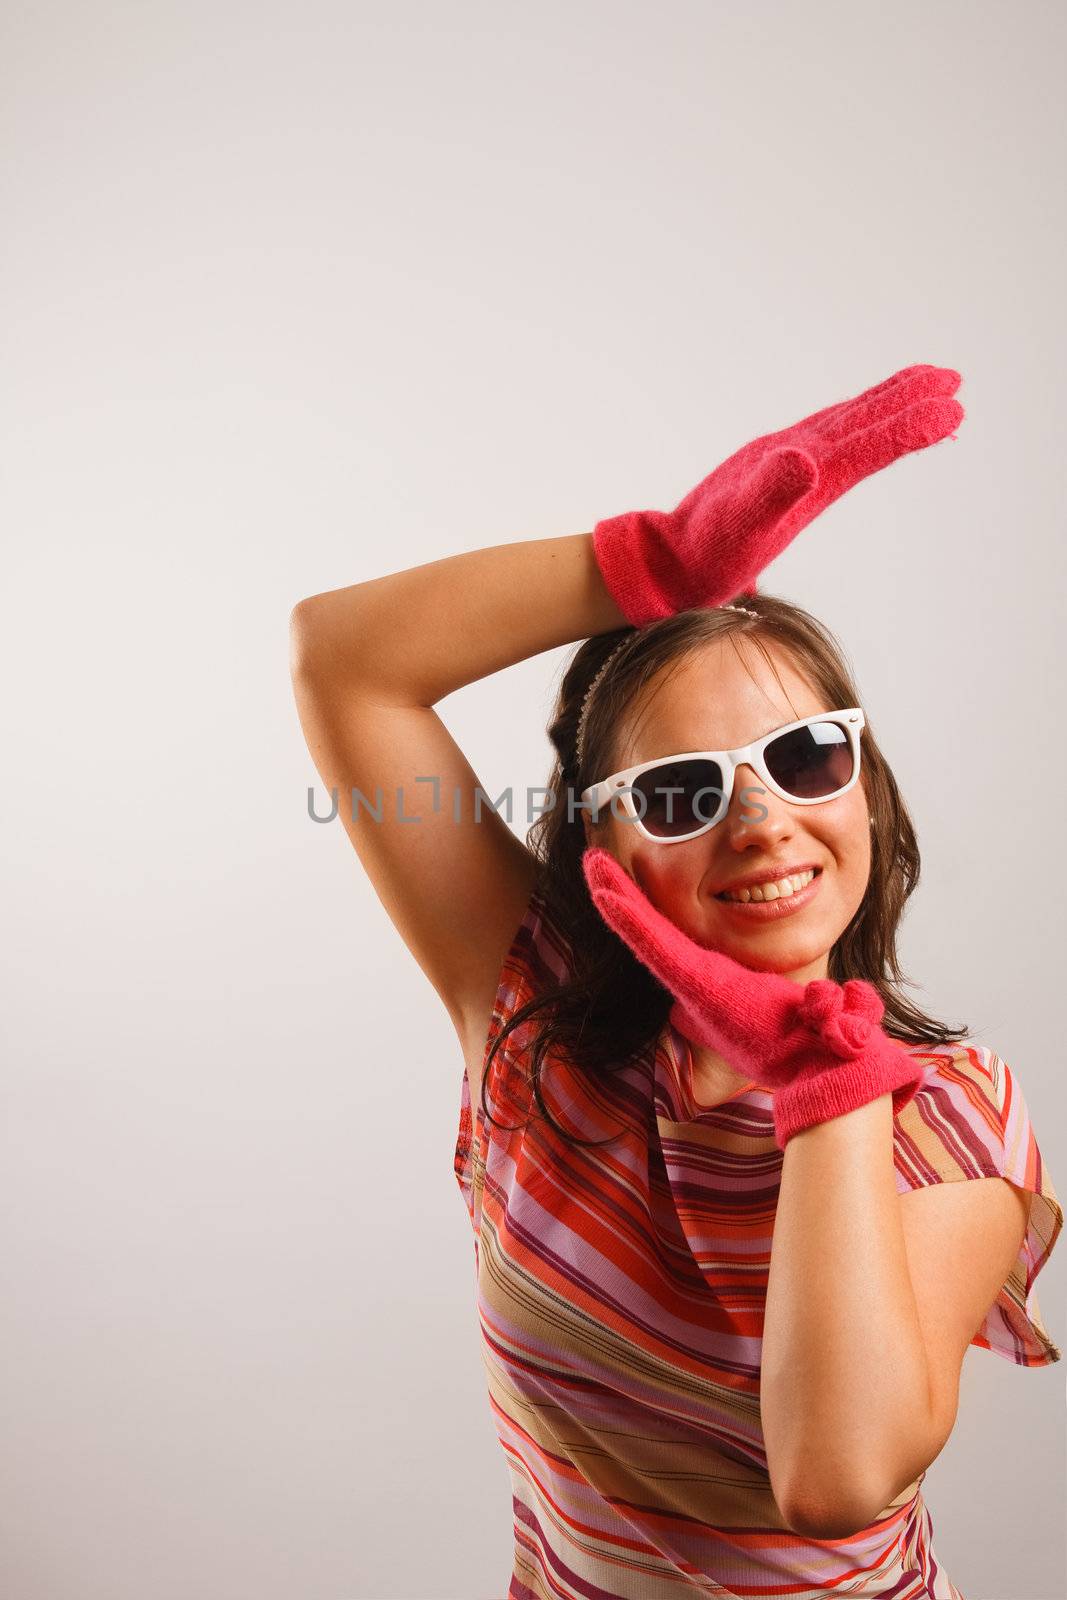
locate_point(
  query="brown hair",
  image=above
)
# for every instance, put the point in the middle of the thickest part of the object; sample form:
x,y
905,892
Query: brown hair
x,y
612,1007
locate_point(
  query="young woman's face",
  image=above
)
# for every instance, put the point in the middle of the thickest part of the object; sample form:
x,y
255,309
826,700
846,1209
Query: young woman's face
x,y
713,702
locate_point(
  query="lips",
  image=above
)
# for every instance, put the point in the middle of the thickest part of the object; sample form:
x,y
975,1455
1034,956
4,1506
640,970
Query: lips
x,y
757,911
756,880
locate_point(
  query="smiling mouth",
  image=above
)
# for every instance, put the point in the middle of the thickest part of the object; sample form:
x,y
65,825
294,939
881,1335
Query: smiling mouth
x,y
782,889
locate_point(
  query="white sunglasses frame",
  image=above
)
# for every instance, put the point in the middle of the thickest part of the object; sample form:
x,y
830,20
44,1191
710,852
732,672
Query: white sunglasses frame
x,y
620,784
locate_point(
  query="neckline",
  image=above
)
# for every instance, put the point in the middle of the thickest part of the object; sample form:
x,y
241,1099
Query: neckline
x,y
681,1052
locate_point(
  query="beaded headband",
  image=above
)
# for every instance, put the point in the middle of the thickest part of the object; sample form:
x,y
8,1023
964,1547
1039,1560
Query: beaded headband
x,y
586,699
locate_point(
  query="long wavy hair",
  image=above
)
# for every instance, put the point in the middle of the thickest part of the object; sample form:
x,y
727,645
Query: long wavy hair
x,y
612,1008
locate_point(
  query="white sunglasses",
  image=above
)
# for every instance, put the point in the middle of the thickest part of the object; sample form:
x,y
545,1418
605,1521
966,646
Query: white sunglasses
x,y
804,762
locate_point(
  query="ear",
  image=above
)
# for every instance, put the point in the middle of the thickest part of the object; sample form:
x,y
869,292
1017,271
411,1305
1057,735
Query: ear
x,y
594,832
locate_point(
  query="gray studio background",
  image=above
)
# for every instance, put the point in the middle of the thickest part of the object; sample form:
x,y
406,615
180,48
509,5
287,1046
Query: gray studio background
x,y
294,296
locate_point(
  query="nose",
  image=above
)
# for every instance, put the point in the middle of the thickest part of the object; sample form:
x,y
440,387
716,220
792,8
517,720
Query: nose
x,y
756,815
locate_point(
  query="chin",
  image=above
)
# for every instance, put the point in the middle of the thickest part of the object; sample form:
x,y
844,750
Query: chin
x,y
783,968
775,953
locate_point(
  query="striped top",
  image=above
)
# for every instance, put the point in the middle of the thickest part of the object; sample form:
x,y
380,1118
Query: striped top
x,y
620,1293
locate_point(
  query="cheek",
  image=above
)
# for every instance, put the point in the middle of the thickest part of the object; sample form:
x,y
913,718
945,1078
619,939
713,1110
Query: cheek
x,y
852,846
670,878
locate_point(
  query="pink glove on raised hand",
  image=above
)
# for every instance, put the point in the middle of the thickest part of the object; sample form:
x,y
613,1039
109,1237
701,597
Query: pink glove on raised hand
x,y
819,1045
713,546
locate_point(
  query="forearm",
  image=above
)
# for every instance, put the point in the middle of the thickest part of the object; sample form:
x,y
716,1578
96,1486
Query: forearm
x,y
419,634
844,1384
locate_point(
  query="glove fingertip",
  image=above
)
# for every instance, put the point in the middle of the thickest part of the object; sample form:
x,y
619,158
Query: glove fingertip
x,y
597,865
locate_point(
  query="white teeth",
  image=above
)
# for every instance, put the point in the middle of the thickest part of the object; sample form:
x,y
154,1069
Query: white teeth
x,y
773,891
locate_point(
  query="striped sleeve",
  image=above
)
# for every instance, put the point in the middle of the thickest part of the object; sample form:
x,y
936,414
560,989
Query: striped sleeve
x,y
538,958
969,1119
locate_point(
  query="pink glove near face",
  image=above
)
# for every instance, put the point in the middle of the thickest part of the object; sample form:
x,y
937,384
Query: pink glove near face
x,y
819,1045
713,546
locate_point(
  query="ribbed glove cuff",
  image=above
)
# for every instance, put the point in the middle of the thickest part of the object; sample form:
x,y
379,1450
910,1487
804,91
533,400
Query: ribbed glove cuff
x,y
640,569
822,1091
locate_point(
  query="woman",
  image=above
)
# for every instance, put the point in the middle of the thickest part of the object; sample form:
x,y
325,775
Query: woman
x,y
725,1279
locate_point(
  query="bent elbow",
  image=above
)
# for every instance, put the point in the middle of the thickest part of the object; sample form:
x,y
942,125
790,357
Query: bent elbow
x,y
305,637
328,638
837,1516
819,1524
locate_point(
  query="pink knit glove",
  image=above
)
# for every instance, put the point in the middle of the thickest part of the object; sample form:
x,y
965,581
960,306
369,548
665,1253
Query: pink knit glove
x,y
818,1045
713,546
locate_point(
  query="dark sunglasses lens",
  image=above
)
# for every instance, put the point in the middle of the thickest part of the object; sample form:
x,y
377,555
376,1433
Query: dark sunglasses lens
x,y
811,762
678,797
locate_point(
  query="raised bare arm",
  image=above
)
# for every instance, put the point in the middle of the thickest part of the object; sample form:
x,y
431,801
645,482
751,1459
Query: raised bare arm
x,y
368,663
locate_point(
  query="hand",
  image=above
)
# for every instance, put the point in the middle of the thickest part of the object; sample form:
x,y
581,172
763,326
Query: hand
x,y
713,546
818,1045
